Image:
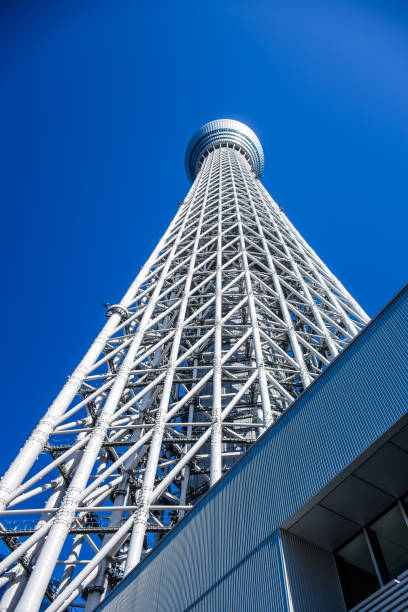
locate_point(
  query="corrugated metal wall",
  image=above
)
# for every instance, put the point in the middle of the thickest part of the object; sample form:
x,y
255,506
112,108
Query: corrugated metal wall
x,y
262,589
356,400
391,598
312,578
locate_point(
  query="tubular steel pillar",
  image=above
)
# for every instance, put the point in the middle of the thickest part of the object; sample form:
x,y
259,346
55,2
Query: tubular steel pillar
x,y
230,319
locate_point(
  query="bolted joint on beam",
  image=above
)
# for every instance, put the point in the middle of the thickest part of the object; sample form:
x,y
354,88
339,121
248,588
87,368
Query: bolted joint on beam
x,y
120,310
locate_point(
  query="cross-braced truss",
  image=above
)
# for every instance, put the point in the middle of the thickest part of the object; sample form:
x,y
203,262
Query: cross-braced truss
x,y
230,319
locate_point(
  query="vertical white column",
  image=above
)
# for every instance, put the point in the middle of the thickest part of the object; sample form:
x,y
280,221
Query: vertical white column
x,y
313,255
16,588
39,437
260,364
142,512
33,593
216,432
98,587
309,300
297,351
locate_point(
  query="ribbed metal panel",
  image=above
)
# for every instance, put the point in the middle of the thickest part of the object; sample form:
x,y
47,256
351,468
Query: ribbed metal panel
x,y
262,589
142,594
355,401
394,596
312,576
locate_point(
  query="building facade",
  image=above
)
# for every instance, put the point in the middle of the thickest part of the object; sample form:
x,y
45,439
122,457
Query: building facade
x,y
314,516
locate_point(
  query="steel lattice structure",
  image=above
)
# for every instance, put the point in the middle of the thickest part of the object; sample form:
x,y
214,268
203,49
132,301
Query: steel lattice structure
x,y
230,319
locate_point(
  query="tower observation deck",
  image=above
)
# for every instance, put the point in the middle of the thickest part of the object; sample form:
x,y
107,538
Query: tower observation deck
x,y
232,316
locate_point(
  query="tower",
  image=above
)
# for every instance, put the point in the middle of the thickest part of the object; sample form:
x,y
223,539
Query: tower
x,y
230,319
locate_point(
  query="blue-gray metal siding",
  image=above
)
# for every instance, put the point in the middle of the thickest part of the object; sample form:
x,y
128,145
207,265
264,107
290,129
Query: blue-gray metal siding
x,y
392,597
312,578
263,587
354,402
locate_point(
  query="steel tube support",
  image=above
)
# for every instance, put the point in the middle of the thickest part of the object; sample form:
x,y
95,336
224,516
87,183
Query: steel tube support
x,y
306,378
230,319
31,599
142,513
216,430
263,384
35,443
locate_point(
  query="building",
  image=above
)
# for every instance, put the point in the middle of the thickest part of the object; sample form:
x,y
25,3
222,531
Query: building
x,y
314,516
231,319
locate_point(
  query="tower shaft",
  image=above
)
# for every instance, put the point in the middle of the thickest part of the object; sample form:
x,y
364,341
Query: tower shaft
x,y
230,319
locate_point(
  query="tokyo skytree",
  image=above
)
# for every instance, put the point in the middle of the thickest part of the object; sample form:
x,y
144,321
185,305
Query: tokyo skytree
x,y
232,316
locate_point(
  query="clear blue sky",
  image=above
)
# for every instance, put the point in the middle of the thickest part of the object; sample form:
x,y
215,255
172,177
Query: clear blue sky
x,y
99,100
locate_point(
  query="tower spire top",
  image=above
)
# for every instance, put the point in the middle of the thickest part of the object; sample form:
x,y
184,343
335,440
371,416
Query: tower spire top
x,y
227,132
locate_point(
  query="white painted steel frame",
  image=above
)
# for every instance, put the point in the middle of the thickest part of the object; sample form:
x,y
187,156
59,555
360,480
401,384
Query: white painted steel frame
x,y
231,317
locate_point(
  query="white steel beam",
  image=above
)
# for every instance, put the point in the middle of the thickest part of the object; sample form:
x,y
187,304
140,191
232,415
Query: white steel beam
x,y
230,319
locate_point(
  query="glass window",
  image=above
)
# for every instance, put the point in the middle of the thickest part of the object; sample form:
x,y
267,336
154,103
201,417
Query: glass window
x,y
356,571
405,503
389,539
